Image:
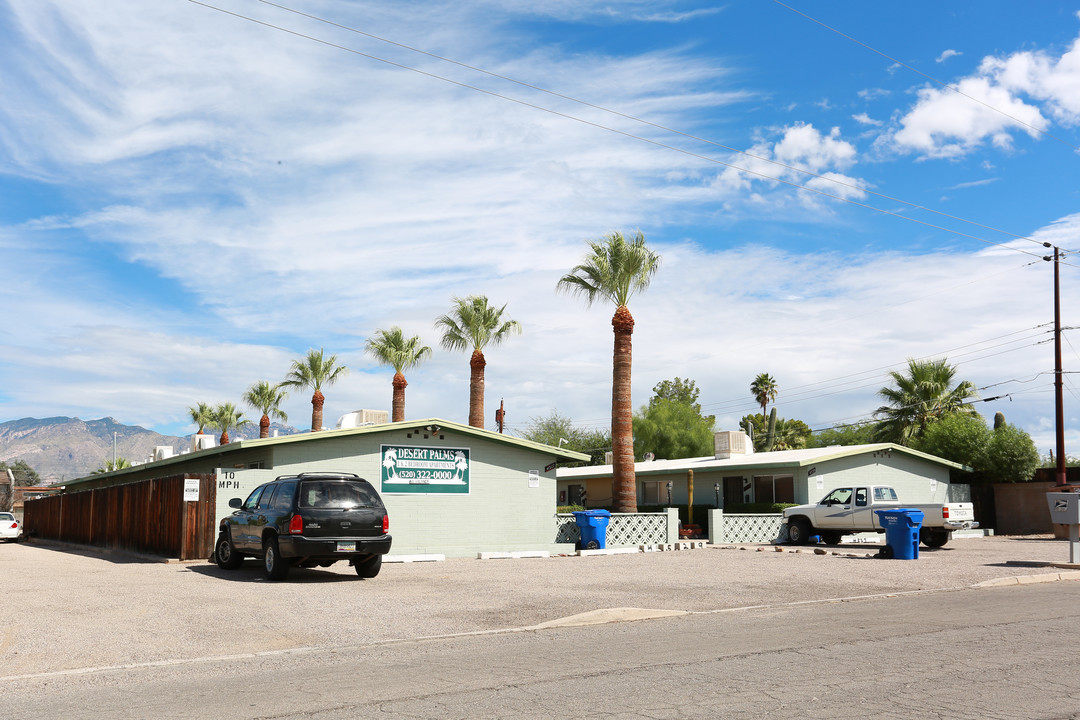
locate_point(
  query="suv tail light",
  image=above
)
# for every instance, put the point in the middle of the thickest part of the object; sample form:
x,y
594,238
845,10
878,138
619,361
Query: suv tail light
x,y
386,523
296,525
945,511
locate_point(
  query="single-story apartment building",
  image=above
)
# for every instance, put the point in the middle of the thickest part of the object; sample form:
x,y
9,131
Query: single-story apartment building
x,y
449,489
736,474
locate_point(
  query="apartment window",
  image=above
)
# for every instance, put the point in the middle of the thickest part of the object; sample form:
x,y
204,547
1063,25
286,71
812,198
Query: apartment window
x,y
774,488
654,493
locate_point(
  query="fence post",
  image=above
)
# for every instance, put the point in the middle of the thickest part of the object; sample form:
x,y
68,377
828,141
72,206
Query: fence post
x,y
716,526
672,525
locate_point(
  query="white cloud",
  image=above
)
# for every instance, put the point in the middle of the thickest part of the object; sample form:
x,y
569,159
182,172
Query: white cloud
x,y
946,55
1024,86
864,119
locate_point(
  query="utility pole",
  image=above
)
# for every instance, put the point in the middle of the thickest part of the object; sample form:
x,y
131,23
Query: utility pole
x,y
1059,403
500,416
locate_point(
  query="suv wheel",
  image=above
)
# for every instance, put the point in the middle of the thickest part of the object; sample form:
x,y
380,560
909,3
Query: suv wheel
x,y
276,567
370,567
225,554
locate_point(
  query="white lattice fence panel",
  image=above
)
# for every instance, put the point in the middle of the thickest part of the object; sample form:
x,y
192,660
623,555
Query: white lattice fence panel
x,y
566,530
623,529
754,528
637,529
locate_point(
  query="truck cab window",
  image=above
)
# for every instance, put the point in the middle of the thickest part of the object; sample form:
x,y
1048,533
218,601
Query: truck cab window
x,y
860,497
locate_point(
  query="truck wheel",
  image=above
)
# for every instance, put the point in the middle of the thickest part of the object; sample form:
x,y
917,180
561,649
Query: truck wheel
x,y
275,566
798,530
832,538
934,538
369,567
225,554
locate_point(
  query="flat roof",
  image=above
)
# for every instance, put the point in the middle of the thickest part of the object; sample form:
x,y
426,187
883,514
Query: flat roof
x,y
240,445
778,458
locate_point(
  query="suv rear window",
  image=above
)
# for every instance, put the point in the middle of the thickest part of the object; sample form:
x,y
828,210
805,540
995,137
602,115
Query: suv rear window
x,y
337,494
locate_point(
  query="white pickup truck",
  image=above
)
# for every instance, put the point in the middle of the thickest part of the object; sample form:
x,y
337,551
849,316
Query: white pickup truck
x,y
849,510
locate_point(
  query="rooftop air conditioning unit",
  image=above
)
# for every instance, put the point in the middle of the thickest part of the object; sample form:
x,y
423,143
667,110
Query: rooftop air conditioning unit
x,y
202,442
727,443
359,418
163,451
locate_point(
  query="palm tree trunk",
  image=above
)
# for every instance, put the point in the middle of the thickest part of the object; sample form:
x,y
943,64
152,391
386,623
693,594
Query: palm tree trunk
x,y
476,389
399,397
623,483
224,439
264,426
317,401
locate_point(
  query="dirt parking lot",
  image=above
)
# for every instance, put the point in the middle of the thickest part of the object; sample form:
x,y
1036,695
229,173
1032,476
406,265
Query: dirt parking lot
x,y
67,609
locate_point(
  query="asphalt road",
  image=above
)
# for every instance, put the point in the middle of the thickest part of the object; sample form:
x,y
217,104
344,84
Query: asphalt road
x,y
134,640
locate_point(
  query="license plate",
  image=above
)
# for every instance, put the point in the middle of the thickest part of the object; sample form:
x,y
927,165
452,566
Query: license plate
x,y
346,547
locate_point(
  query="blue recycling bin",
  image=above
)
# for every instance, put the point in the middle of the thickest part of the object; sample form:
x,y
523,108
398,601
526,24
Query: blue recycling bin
x,y
902,527
593,527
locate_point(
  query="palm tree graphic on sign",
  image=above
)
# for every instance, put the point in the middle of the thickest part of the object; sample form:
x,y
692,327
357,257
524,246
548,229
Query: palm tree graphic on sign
x,y
389,462
461,465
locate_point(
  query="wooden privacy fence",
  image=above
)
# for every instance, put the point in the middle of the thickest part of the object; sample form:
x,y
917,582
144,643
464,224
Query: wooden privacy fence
x,y
150,516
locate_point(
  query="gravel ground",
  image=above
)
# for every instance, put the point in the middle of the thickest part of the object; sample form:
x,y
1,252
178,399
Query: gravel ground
x,y
68,609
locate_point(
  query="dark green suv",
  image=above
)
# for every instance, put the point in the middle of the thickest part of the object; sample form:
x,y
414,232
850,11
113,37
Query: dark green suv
x,y
308,520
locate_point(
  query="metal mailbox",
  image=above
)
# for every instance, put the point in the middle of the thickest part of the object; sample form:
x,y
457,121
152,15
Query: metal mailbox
x,y
1064,507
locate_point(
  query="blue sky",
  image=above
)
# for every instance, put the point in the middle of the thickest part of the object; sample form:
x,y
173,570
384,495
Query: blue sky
x,y
190,200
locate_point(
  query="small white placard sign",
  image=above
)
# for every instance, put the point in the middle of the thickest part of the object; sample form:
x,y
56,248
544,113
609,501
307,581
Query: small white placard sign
x,y
820,482
534,478
191,489
933,486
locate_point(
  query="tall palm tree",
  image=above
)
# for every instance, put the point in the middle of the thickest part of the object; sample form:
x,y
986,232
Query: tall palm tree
x,y
922,396
202,415
764,390
473,323
267,398
614,269
227,416
390,347
314,371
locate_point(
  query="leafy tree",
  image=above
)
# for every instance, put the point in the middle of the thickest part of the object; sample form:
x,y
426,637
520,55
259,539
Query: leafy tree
x,y
24,474
614,269
922,396
474,324
764,390
671,430
227,416
202,415
1004,454
678,390
267,398
559,431
1011,455
314,371
390,347
787,435
850,434
962,438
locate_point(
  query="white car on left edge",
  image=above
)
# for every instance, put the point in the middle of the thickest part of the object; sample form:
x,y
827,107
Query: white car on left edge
x,y
9,527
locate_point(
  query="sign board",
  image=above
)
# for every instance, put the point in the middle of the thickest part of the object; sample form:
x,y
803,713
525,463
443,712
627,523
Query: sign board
x,y
534,478
191,489
425,470
237,483
550,467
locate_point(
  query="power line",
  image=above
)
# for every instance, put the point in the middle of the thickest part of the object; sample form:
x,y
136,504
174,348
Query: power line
x,y
640,138
943,84
642,121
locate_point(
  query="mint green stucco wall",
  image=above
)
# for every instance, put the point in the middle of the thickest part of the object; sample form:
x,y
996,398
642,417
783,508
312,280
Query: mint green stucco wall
x,y
499,513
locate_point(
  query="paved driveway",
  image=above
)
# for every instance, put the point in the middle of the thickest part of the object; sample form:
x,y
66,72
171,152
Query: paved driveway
x,y
66,610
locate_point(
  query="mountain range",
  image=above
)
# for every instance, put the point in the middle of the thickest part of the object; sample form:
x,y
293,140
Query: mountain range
x,y
64,448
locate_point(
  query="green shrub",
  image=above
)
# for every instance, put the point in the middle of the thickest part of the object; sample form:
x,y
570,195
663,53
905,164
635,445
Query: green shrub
x,y
563,509
758,508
